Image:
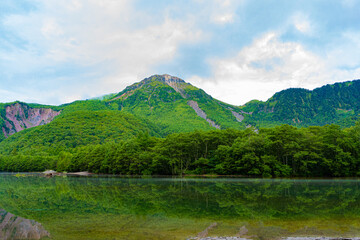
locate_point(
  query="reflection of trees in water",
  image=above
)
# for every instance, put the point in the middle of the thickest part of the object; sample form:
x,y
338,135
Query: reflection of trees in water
x,y
13,227
199,198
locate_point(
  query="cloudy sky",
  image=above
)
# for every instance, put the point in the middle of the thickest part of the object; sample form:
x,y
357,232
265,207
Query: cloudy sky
x,y
54,52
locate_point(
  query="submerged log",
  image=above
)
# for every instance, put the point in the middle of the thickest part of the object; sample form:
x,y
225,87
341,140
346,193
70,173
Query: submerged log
x,y
242,232
206,231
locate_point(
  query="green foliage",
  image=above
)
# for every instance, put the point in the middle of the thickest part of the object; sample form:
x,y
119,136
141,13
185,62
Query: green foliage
x,y
283,151
252,106
78,128
122,133
165,104
161,104
84,105
337,103
26,163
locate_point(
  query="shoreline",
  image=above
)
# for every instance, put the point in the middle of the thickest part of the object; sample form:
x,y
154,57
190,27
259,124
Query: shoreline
x,y
86,173
281,238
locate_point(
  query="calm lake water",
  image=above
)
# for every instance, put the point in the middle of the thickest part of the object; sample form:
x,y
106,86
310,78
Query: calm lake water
x,y
178,208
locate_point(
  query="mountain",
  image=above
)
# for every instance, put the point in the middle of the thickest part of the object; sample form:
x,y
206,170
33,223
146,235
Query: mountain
x,y
163,104
176,106
78,128
165,100
130,132
337,103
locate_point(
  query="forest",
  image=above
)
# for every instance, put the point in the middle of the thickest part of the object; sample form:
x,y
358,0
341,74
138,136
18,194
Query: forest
x,y
282,151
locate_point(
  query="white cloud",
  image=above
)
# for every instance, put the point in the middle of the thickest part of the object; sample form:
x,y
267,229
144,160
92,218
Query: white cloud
x,y
108,36
74,5
302,26
302,23
111,45
268,59
220,11
266,66
222,19
51,29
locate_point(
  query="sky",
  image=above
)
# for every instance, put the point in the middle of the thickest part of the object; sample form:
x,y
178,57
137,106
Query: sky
x,y
55,52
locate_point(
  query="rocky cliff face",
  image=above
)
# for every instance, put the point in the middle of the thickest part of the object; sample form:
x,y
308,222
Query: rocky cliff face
x,y
176,83
13,227
19,116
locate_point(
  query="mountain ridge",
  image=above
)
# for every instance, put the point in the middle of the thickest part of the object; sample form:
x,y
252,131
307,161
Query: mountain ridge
x,y
158,93
166,126
177,106
328,104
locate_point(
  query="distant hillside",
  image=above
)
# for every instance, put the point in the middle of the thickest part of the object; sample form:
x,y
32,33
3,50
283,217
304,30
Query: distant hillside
x,y
79,128
336,103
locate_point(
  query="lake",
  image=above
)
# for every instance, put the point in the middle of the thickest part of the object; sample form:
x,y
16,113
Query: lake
x,y
101,207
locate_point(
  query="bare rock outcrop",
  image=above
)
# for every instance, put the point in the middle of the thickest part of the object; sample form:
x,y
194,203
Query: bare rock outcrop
x,y
13,227
20,116
176,83
238,116
201,113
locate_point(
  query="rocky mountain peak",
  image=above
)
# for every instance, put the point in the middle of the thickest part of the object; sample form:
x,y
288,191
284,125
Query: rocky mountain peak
x,y
165,78
170,79
176,83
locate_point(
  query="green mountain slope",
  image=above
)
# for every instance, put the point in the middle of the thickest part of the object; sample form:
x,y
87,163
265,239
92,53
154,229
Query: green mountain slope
x,y
176,106
78,128
336,103
98,135
17,116
169,102
162,104
159,105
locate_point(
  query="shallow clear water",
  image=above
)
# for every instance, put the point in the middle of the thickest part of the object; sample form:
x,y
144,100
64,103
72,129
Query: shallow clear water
x,y
178,208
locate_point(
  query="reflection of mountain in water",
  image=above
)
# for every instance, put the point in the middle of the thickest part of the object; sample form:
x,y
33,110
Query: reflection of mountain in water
x,y
13,227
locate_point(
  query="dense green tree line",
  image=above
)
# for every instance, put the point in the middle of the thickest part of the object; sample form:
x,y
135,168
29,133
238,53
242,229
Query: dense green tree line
x,y
283,151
